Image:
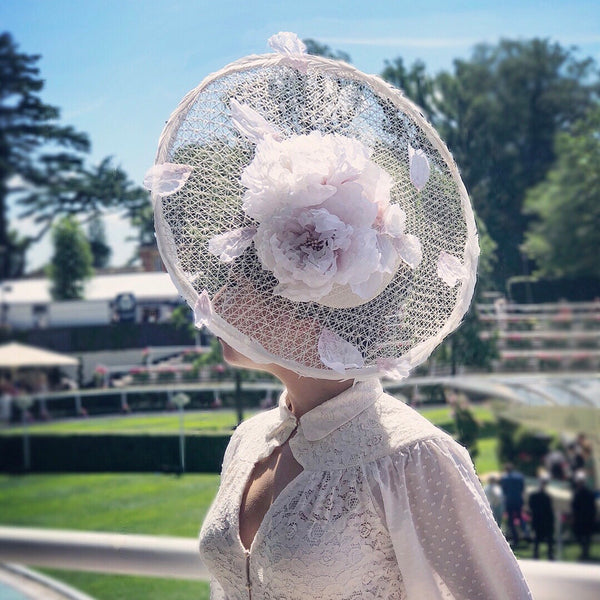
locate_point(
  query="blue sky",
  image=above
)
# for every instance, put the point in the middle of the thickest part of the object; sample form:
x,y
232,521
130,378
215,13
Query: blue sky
x,y
117,68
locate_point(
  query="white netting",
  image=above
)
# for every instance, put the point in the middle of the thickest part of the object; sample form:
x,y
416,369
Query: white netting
x,y
410,315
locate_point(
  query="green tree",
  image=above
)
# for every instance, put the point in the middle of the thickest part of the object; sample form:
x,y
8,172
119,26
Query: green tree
x,y
96,235
465,347
564,238
318,49
82,191
142,220
213,357
499,112
414,82
182,318
32,143
71,262
467,429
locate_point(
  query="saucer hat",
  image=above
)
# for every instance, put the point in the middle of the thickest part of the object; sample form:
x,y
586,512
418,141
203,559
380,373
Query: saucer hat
x,y
312,217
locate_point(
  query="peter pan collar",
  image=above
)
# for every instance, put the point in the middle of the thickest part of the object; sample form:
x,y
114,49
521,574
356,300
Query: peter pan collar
x,y
331,415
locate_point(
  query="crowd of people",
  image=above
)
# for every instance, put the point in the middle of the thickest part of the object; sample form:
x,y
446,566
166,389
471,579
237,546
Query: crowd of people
x,y
528,514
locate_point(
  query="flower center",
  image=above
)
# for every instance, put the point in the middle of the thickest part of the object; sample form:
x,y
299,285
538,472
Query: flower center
x,y
315,244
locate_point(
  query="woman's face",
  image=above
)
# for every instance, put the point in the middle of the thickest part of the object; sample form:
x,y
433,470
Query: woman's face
x,y
237,359
266,320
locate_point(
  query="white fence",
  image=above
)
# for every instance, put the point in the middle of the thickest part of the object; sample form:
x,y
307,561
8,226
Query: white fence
x,y
158,556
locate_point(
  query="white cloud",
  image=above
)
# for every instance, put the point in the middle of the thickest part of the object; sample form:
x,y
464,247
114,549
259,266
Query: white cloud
x,y
430,42
73,113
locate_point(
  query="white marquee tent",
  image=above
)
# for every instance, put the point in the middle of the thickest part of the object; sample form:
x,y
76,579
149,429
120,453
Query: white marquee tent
x,y
17,356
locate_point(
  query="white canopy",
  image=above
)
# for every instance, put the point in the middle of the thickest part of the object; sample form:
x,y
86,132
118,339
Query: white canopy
x,y
15,356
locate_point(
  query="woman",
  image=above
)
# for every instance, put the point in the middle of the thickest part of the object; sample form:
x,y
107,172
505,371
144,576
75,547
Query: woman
x,y
319,228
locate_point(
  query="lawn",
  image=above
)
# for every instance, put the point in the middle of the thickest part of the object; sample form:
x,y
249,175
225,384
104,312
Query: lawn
x,y
141,503
167,422
222,421
129,587
123,503
487,460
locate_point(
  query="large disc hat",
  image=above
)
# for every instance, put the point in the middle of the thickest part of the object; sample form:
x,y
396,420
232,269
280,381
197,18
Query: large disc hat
x,y
312,217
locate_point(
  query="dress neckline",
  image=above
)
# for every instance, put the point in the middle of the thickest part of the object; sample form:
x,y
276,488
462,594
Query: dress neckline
x,y
325,418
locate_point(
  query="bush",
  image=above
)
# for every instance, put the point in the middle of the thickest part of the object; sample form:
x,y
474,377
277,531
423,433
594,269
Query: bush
x,y
113,453
531,448
522,447
467,428
507,452
140,375
166,376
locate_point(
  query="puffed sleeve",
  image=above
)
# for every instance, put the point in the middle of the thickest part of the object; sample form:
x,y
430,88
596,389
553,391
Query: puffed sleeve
x,y
446,541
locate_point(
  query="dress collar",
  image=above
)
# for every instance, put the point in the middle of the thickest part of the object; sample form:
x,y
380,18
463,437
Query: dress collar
x,y
329,416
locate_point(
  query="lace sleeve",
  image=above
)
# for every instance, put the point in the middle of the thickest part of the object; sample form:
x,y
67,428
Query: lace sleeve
x,y
446,541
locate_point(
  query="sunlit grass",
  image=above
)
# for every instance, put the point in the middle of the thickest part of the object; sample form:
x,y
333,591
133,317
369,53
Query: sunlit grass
x,y
222,421
119,502
129,587
486,460
156,504
154,423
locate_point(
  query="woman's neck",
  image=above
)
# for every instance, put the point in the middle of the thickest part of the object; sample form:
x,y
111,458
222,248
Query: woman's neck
x,y
304,393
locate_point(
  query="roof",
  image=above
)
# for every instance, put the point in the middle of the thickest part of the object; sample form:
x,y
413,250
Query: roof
x,y
15,355
144,286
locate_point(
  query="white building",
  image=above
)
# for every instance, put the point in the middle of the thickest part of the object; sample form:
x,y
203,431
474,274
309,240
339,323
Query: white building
x,y
138,297
141,297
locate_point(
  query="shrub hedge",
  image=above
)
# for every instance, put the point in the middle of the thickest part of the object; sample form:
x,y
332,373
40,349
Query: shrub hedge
x,y
113,453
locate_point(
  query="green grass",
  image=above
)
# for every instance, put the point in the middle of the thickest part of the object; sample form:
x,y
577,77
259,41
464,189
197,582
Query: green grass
x,y
129,587
487,459
142,503
212,421
125,503
487,444
442,416
195,421
222,421
570,551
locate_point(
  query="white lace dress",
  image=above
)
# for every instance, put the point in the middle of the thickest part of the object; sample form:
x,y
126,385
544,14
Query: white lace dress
x,y
387,506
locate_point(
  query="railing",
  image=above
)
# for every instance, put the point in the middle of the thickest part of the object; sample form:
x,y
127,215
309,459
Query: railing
x,y
80,396
178,558
534,337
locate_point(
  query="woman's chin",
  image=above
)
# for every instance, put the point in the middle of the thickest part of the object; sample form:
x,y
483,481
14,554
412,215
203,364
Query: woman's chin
x,y
234,358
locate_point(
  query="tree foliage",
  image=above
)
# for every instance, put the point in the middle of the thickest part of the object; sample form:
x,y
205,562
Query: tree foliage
x,y
467,429
182,318
71,264
96,235
564,237
499,112
414,82
32,143
82,191
465,347
42,162
142,220
318,49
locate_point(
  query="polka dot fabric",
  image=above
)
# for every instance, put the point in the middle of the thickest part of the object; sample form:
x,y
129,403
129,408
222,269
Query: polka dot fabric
x,y
387,506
